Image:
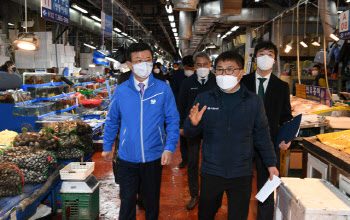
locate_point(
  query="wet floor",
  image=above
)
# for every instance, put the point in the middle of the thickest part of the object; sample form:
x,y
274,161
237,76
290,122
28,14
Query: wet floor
x,y
173,198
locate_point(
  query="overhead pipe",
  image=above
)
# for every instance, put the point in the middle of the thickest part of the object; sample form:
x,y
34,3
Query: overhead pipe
x,y
329,18
185,5
185,25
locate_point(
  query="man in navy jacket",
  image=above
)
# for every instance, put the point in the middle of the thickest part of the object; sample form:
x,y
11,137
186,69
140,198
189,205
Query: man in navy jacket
x,y
232,120
141,106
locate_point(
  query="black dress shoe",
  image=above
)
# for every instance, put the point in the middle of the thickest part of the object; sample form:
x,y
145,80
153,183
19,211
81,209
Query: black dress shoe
x,y
183,164
192,204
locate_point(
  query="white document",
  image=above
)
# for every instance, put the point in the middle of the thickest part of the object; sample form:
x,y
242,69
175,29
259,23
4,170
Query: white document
x,y
268,188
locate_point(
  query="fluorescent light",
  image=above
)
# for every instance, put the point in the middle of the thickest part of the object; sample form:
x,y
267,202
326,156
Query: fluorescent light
x,y
169,9
111,59
347,0
303,44
235,28
117,30
176,34
171,18
177,38
334,37
92,65
11,24
174,30
211,46
316,44
96,18
228,33
88,45
124,34
288,47
339,12
219,35
173,24
257,0
79,8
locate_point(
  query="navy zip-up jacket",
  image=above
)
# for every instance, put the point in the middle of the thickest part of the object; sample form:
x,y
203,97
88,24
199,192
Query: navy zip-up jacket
x,y
229,140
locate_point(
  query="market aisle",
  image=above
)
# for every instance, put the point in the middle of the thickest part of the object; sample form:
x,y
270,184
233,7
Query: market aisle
x,y
174,193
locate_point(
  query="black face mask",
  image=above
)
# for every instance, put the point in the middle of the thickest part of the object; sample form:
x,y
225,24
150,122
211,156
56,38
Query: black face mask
x,y
14,69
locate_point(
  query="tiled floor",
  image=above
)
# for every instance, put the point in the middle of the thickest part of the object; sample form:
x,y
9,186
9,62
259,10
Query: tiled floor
x,y
174,193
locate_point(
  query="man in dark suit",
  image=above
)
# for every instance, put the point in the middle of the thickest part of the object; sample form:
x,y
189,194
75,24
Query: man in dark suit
x,y
276,97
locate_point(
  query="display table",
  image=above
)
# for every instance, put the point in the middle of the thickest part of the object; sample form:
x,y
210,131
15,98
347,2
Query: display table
x,y
324,162
24,205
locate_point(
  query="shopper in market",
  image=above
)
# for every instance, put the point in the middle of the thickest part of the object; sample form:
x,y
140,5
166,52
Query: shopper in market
x,y
178,76
275,95
8,77
231,119
320,79
141,106
203,80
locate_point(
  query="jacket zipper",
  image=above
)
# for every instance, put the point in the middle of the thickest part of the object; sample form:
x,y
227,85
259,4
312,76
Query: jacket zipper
x,y
161,136
141,126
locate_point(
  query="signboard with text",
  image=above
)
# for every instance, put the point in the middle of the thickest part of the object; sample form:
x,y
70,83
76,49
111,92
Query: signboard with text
x,y
106,24
344,29
56,11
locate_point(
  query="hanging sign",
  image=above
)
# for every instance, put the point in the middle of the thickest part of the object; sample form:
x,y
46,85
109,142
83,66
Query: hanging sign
x,y
56,11
344,29
106,24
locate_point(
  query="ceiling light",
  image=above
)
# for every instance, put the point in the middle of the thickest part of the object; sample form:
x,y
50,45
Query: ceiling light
x,y
171,18
176,34
169,9
347,0
96,18
316,42
235,28
124,34
117,30
303,44
92,65
212,46
173,24
219,35
257,0
228,33
88,45
339,12
334,37
174,30
79,8
111,59
11,24
27,41
288,47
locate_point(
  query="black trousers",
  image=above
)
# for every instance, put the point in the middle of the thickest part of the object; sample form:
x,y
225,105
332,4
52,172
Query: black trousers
x,y
129,176
238,191
193,145
183,148
266,209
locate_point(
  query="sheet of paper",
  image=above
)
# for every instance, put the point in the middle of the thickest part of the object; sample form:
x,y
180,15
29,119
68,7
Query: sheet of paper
x,y
268,188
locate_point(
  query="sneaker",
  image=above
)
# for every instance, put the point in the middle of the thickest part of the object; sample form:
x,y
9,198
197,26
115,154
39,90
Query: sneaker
x,y
183,164
192,204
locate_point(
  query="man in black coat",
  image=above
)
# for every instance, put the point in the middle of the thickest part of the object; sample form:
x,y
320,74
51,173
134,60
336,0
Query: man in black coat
x,y
275,94
178,76
232,120
202,80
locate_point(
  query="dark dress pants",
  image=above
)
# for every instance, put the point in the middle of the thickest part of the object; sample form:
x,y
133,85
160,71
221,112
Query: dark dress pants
x,y
193,145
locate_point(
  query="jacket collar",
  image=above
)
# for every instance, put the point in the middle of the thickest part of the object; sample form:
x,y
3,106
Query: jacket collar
x,y
194,77
132,82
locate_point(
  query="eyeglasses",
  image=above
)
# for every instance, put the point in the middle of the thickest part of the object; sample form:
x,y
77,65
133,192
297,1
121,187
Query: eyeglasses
x,y
228,71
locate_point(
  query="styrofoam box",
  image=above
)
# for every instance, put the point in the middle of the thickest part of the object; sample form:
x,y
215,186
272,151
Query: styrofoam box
x,y
310,199
60,49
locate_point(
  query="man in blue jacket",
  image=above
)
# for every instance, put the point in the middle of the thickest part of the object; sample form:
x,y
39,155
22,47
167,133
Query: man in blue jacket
x,y
232,120
141,106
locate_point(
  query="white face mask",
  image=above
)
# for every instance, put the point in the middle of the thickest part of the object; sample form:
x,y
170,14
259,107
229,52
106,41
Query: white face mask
x,y
203,72
227,82
143,70
156,70
189,72
314,72
265,62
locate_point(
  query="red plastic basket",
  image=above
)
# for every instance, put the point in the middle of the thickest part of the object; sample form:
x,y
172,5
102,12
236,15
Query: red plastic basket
x,y
91,103
100,80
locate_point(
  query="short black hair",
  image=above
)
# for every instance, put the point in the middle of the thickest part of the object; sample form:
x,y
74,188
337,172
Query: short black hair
x,y
317,66
188,61
265,45
137,47
159,65
230,56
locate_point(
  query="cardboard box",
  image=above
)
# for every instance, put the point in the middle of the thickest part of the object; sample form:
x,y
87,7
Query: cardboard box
x,y
296,160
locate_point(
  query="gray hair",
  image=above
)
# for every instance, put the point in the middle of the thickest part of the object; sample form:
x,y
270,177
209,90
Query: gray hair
x,y
201,54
